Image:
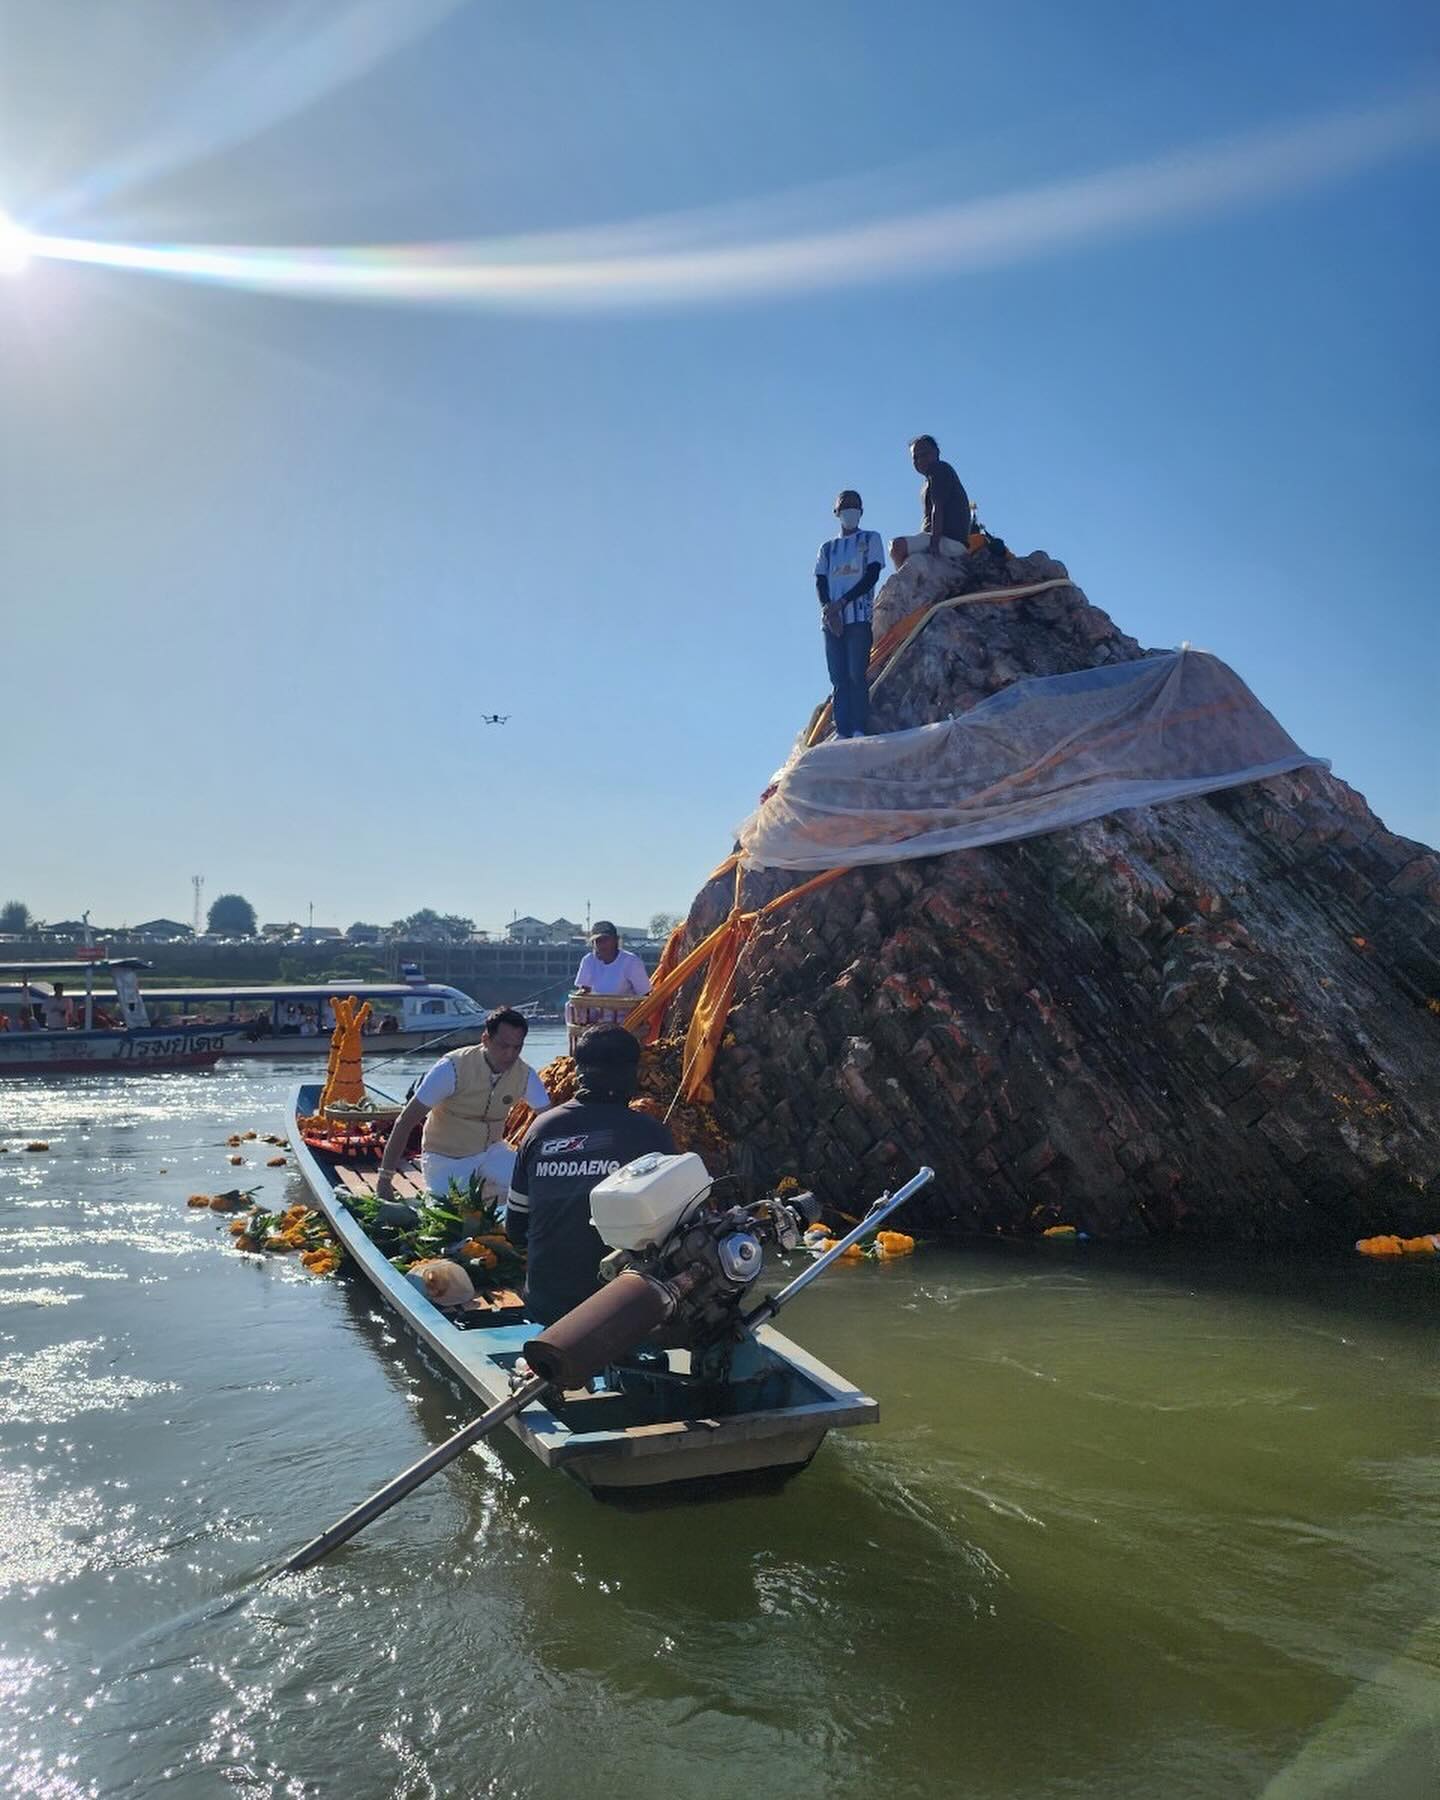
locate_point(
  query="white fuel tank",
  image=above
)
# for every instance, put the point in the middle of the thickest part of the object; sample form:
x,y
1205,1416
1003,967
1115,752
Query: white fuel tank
x,y
640,1205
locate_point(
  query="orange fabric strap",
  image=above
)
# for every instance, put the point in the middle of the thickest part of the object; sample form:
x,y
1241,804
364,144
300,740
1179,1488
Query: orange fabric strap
x,y
893,642
712,1007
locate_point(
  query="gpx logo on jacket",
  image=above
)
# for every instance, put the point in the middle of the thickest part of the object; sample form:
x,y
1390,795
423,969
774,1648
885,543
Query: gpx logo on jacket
x,y
564,1146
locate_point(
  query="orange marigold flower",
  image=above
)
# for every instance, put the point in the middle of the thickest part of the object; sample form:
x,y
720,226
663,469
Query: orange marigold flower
x,y
1387,1244
198,1200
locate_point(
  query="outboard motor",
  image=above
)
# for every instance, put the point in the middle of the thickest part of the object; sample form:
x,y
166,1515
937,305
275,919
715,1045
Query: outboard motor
x,y
681,1265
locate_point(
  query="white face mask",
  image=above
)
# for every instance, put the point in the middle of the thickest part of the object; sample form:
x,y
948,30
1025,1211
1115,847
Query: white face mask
x,y
849,517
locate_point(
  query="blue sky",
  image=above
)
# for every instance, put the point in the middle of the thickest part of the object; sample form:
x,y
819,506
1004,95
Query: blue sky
x,y
265,559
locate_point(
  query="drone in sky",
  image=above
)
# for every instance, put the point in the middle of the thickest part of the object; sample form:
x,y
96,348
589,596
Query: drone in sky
x,y
494,718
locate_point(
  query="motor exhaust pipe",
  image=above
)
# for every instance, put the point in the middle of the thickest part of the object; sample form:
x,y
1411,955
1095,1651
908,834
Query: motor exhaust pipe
x,y
606,1326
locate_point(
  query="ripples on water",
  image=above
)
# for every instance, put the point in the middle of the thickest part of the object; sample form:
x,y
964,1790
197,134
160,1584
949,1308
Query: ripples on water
x,y
1134,1523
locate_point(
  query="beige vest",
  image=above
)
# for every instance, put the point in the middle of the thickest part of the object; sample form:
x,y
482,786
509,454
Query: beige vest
x,y
473,1118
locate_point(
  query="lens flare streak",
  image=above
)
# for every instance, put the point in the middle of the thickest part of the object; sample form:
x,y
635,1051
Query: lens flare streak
x,y
704,259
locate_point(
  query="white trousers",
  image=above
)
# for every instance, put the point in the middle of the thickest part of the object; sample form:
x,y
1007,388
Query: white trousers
x,y
496,1165
917,546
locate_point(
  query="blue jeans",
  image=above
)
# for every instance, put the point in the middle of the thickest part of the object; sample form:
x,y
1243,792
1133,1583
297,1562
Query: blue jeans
x,y
848,659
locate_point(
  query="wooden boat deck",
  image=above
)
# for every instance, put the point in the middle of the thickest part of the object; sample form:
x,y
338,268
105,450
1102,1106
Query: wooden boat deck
x,y
358,1180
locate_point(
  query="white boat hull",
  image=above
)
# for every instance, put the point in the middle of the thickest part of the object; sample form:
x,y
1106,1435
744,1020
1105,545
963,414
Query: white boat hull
x,y
388,1043
113,1052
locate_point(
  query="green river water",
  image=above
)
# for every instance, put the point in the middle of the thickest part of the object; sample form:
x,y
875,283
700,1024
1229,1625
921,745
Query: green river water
x,y
1139,1521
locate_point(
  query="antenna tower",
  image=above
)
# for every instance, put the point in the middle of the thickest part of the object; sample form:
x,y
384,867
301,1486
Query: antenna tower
x,y
198,883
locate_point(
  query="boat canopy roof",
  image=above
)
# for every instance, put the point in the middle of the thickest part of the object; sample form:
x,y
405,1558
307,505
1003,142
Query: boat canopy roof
x,y
328,990
22,969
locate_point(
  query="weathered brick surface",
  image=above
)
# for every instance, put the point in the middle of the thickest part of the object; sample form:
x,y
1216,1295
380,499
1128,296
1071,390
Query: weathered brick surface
x,y
1218,1017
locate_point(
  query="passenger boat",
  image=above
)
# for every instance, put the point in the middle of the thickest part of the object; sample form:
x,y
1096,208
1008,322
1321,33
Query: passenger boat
x,y
666,1439
280,1019
112,1032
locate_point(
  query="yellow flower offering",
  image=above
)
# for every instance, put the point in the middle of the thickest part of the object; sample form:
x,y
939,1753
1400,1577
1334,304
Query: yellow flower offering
x,y
1387,1245
894,1243
198,1200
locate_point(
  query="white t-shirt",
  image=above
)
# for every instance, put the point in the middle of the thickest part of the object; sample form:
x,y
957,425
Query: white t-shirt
x,y
626,975
842,562
439,1084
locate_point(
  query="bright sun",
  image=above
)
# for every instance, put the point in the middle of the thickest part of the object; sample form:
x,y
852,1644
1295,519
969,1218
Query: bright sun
x,y
14,247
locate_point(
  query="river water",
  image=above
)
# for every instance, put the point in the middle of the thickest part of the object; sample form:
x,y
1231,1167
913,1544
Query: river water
x,y
1135,1522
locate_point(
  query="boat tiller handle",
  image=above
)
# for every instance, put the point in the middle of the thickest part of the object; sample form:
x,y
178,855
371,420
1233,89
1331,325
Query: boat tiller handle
x,y
877,1215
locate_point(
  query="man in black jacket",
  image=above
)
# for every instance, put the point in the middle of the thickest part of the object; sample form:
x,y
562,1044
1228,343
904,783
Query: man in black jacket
x,y
947,508
563,1154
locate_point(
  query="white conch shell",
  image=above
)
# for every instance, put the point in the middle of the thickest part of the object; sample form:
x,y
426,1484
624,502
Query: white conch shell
x,y
445,1283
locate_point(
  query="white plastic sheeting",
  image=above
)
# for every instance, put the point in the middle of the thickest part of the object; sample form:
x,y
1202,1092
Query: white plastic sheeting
x,y
1038,756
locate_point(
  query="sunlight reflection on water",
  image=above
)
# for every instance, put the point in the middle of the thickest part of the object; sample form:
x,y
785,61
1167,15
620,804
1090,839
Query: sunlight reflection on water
x,y
1156,1497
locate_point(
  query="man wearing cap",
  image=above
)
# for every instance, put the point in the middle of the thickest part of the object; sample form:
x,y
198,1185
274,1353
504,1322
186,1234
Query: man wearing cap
x,y
846,570
462,1103
562,1156
607,969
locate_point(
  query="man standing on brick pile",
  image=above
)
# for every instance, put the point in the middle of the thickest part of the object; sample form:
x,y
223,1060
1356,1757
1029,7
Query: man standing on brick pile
x,y
846,571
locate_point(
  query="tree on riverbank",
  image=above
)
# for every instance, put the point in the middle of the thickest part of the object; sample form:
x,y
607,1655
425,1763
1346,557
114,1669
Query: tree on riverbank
x,y
231,915
15,917
430,927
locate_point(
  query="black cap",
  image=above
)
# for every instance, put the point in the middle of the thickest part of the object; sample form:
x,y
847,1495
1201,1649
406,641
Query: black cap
x,y
848,496
608,1047
603,928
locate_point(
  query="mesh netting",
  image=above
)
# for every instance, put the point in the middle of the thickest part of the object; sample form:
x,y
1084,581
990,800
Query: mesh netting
x,y
1042,754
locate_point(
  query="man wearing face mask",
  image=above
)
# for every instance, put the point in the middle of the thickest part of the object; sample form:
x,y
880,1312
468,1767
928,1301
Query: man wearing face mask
x,y
846,571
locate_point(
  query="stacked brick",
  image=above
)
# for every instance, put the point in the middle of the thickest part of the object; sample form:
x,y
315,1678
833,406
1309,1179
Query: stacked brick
x,y
1219,1017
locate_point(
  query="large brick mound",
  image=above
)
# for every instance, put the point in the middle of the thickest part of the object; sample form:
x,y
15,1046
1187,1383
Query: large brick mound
x,y
1218,1017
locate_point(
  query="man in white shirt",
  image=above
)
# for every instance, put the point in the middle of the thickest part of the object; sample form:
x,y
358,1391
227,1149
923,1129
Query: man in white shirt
x,y
607,969
463,1102
846,571
59,1013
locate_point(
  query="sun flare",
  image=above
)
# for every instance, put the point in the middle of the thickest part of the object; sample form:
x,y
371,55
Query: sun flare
x,y
15,249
